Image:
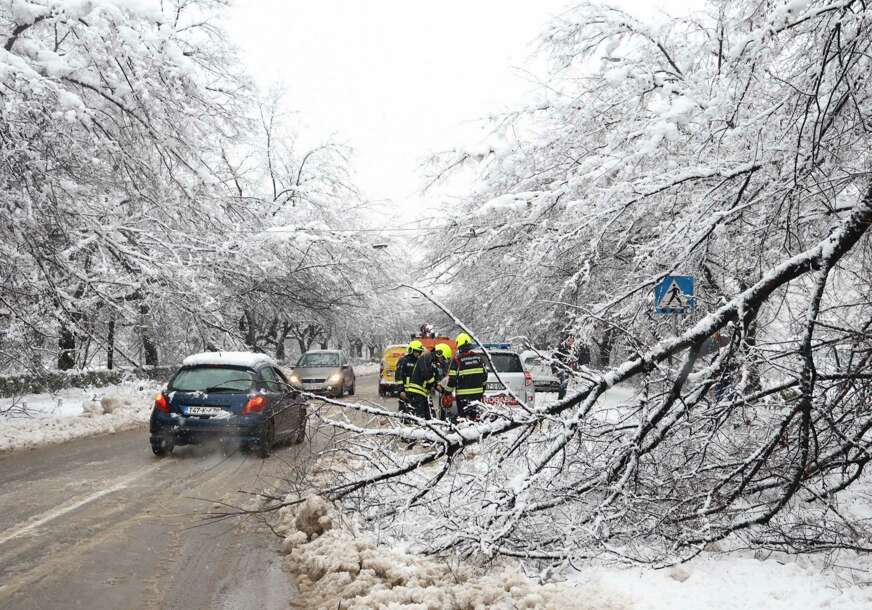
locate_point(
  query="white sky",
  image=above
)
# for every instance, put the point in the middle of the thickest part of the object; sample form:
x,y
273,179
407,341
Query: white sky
x,y
394,79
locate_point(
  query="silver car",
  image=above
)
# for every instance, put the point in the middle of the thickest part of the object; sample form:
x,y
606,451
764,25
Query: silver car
x,y
324,371
543,378
513,374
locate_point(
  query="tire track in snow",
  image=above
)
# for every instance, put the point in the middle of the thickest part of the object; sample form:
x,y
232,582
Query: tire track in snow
x,y
55,513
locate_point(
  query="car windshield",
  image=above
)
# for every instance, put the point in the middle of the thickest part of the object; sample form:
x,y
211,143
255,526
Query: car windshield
x,y
212,378
319,359
507,363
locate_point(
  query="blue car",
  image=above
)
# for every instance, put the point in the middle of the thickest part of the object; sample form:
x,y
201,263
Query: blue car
x,y
239,398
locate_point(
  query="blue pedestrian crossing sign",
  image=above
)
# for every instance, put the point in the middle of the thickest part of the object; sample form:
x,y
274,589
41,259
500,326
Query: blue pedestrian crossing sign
x,y
674,294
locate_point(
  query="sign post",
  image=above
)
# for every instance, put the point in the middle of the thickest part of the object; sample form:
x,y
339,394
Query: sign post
x,y
674,295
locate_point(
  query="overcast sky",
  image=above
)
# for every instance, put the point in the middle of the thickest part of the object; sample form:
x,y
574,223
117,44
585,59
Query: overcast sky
x,y
395,79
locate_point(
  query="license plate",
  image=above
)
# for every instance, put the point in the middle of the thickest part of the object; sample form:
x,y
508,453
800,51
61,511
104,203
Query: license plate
x,y
499,399
494,385
202,411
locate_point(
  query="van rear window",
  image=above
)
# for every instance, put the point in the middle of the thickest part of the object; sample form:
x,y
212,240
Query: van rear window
x,y
507,363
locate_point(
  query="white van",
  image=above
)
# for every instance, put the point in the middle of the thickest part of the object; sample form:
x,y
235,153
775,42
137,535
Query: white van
x,y
514,375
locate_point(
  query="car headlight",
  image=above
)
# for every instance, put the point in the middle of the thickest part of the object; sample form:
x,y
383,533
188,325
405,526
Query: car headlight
x,y
335,378
294,380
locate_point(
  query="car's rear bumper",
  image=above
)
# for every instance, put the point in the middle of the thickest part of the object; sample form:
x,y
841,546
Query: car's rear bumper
x,y
182,430
389,386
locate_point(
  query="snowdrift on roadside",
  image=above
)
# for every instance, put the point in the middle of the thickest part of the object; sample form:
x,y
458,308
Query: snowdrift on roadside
x,y
46,419
335,569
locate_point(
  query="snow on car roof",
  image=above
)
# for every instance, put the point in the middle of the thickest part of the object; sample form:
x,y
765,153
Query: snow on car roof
x,y
247,359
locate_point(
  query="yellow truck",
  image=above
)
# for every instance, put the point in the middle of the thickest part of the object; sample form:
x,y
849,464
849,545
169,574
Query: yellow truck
x,y
387,383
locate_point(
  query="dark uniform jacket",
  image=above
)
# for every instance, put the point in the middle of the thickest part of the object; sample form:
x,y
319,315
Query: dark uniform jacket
x,y
424,376
404,369
467,375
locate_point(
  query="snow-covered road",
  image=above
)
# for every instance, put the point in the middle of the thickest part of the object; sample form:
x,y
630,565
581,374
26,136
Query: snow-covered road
x,y
101,523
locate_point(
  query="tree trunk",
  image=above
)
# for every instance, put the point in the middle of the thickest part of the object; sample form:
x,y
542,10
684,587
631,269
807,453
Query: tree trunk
x,y
605,347
66,348
280,340
85,349
149,348
110,345
250,326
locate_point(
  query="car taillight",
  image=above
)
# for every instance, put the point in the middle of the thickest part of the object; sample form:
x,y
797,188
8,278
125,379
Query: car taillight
x,y
161,403
254,405
528,379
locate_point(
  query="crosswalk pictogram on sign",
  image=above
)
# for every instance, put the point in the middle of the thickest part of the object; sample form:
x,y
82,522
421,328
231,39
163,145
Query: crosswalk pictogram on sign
x,y
674,294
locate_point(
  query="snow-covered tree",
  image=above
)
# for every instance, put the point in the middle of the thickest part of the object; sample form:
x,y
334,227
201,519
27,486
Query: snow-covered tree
x,y
149,194
732,145
112,118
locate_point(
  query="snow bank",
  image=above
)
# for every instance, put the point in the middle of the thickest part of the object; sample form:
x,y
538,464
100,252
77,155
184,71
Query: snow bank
x,y
335,569
34,420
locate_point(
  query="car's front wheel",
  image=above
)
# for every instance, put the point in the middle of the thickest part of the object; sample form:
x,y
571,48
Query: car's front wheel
x,y
266,439
351,390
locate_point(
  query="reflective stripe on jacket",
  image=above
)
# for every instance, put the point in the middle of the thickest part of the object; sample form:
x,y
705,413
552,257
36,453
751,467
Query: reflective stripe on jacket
x,y
467,375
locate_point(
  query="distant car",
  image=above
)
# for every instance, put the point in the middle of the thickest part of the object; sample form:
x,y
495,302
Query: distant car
x,y
324,372
511,370
387,382
543,379
239,398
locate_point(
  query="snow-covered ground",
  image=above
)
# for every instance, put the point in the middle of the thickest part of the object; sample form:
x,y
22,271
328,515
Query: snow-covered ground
x,y
32,420
332,565
738,582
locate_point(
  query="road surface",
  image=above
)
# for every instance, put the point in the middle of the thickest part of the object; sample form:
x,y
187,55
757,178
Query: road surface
x,y
101,523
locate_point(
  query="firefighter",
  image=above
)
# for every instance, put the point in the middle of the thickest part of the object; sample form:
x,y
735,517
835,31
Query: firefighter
x,y
405,365
425,377
467,376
